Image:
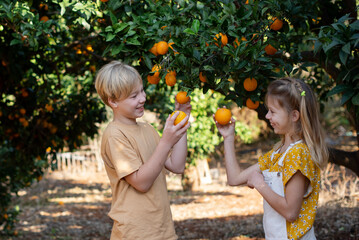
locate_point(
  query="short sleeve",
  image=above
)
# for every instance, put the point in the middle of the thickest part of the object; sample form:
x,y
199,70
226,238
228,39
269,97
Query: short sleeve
x,y
265,161
299,159
123,157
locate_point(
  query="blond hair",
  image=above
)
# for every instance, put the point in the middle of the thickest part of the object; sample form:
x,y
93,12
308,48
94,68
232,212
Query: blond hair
x,y
294,94
116,80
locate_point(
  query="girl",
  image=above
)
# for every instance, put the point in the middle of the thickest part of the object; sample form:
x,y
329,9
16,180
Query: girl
x,y
288,176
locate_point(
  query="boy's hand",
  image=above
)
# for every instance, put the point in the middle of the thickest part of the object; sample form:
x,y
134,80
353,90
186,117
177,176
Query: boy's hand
x,y
172,133
186,108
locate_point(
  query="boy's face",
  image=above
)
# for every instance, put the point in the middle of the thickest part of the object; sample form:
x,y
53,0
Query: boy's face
x,y
132,107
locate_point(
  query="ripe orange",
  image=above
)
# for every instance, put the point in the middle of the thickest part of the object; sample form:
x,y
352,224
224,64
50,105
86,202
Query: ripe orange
x,y
224,39
250,84
223,116
44,18
162,47
154,49
252,105
153,79
270,50
44,6
182,97
104,0
170,79
156,68
172,73
202,77
277,24
236,42
179,118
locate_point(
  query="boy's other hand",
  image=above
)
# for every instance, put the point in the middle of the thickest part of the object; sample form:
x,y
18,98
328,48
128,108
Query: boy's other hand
x,y
186,108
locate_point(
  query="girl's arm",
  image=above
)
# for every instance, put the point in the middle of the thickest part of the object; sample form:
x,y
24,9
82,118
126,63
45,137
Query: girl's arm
x,y
289,205
234,174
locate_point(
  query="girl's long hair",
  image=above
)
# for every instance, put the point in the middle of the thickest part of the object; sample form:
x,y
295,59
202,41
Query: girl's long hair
x,y
294,94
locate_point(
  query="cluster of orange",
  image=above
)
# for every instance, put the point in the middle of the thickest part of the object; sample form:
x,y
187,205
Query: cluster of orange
x,y
44,7
276,25
161,48
79,50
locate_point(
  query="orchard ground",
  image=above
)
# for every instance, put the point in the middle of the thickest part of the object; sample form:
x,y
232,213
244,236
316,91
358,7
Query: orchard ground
x,y
65,205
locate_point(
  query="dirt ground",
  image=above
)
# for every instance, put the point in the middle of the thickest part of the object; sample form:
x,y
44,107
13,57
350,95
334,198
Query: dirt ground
x,y
67,205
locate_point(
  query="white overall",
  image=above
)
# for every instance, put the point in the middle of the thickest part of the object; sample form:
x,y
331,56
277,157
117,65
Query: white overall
x,y
275,226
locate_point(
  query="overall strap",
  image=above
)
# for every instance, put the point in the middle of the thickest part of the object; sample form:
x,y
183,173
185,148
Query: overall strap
x,y
280,162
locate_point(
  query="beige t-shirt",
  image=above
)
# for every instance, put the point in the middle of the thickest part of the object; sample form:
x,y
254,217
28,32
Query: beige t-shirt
x,y
136,215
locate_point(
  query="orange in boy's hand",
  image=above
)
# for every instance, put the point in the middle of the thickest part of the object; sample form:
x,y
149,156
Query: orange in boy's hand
x,y
180,117
223,116
182,97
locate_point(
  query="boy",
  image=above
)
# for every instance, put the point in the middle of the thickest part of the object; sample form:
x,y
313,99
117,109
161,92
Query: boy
x,y
135,157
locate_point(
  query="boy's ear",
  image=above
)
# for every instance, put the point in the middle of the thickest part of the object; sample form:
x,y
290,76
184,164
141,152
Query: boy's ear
x,y
295,115
112,103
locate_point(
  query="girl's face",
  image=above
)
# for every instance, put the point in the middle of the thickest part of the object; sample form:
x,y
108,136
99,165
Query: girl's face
x,y
279,117
132,107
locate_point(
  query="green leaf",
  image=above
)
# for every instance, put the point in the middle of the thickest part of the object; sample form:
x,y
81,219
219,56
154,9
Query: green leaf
x,y
189,31
343,56
355,25
346,48
355,99
337,89
195,25
347,95
133,41
110,37
113,18
327,47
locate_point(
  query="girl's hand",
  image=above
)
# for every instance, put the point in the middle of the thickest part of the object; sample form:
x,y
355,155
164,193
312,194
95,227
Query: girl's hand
x,y
226,130
256,180
186,108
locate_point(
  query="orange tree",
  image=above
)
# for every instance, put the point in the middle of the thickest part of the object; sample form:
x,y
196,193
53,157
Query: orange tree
x,y
50,51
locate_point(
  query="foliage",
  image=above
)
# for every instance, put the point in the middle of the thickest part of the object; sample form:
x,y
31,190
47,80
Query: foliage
x,y
203,136
47,67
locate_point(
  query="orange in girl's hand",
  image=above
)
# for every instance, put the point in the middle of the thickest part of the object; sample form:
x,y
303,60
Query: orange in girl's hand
x,y
182,97
223,116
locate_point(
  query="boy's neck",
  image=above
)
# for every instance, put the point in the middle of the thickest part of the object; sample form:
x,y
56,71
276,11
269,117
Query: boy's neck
x,y
123,119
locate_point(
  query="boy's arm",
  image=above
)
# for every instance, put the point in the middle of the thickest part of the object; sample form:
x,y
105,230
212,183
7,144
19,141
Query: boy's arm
x,y
144,177
177,161
289,205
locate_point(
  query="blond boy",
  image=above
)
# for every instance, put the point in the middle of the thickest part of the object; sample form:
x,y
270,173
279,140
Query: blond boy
x,y
136,157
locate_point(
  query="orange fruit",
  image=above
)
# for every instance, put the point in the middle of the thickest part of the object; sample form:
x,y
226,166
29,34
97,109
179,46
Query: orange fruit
x,y
247,1
252,105
23,111
162,47
202,77
223,116
163,27
182,97
236,42
277,24
104,0
156,68
270,50
172,73
170,79
153,79
224,39
44,18
154,49
44,6
250,84
179,118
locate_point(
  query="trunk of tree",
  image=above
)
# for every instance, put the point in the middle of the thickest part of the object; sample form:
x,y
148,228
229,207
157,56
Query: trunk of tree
x,y
344,158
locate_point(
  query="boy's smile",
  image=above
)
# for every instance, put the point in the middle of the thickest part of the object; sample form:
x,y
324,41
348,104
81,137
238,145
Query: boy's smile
x,y
129,109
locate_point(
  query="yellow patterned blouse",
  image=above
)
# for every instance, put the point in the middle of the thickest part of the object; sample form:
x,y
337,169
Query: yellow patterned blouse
x,y
298,158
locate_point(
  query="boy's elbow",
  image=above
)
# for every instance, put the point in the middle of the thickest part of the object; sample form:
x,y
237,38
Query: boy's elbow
x,y
143,189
